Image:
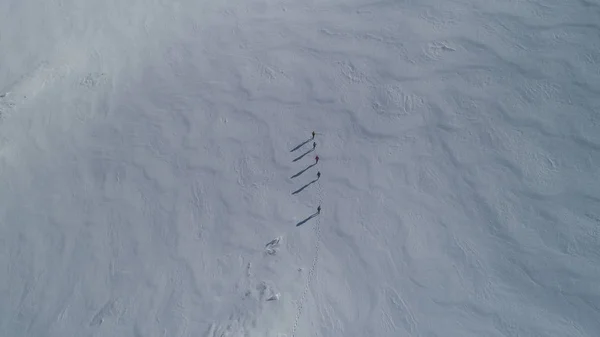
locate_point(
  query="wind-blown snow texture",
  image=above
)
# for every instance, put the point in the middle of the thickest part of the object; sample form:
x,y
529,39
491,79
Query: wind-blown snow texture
x,y
145,168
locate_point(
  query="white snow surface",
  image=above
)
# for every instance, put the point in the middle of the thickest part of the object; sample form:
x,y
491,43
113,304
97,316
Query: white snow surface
x,y
146,164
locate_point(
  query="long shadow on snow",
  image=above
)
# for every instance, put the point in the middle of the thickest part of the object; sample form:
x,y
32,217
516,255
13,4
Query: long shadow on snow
x,y
304,154
299,173
299,146
305,186
305,220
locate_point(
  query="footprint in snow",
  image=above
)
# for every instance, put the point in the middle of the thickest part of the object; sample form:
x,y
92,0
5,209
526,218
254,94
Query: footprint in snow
x,y
273,245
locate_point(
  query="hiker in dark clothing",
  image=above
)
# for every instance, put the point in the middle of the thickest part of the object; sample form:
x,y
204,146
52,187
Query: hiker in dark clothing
x,y
316,159
313,135
318,174
319,209
314,145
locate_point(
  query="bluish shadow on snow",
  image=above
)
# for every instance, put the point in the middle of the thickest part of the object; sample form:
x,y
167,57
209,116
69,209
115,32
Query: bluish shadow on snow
x,y
299,173
304,154
305,220
302,144
303,187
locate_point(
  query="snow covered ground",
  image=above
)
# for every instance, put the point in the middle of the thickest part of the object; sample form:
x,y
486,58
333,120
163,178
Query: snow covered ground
x,y
146,168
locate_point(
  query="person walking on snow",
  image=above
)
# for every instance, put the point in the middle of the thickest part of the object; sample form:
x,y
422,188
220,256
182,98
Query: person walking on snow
x,y
314,145
319,209
313,135
318,174
316,159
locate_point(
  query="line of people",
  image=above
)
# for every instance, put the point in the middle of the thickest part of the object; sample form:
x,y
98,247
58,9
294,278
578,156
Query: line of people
x,y
316,162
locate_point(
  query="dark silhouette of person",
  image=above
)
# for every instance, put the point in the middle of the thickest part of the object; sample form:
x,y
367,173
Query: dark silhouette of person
x,y
318,174
316,159
313,135
314,145
319,209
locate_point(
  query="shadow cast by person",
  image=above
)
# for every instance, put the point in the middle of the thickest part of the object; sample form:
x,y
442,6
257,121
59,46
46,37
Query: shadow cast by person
x,y
299,173
305,220
302,144
305,186
304,154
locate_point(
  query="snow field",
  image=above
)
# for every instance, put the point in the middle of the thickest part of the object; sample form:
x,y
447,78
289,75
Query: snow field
x,y
146,168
